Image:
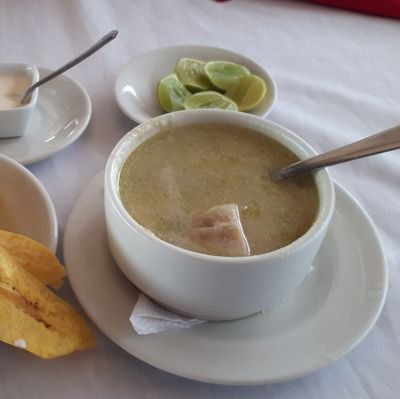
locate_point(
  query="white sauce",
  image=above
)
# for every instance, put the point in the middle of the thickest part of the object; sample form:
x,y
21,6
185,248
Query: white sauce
x,y
20,343
12,87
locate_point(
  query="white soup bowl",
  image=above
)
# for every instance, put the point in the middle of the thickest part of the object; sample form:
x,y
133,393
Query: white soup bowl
x,y
200,285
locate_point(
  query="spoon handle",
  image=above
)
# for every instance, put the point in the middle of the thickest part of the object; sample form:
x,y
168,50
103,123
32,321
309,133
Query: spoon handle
x,y
98,45
384,141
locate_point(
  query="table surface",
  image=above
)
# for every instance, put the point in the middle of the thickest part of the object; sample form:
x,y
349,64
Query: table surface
x,y
337,74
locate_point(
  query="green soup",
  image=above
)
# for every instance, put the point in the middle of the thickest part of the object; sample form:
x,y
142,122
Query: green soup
x,y
184,170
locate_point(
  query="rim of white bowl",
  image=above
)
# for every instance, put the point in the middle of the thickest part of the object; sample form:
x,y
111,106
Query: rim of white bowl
x,y
295,143
44,195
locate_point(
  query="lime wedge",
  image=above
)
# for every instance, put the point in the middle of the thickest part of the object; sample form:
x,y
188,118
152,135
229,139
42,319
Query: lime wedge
x,y
247,92
223,73
191,73
210,99
172,93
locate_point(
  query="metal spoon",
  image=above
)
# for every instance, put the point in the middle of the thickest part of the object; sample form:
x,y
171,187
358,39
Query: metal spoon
x,y
97,46
381,142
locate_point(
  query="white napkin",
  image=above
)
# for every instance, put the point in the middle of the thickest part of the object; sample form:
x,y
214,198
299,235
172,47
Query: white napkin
x,y
149,318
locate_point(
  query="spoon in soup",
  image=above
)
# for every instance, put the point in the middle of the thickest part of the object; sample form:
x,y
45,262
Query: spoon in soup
x,y
386,140
97,46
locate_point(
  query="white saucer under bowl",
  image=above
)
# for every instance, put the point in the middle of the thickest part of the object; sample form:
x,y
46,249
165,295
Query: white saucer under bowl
x,y
61,115
330,313
25,205
136,85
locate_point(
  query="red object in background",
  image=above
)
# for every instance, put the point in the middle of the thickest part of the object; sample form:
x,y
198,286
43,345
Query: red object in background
x,y
385,8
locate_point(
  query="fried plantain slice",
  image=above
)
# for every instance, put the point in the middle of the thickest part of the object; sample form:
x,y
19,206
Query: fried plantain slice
x,y
34,257
32,317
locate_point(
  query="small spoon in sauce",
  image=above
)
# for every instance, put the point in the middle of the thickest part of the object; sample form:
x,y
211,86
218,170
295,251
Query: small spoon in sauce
x,y
387,140
97,46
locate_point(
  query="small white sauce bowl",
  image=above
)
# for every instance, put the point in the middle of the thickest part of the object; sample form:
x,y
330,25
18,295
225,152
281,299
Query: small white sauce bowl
x,y
13,121
206,286
25,205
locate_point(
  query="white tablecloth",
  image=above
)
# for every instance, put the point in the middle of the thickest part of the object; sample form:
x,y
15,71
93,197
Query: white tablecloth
x,y
338,77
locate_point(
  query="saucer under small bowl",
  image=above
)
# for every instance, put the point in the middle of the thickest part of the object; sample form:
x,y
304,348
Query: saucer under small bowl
x,y
62,113
25,206
136,85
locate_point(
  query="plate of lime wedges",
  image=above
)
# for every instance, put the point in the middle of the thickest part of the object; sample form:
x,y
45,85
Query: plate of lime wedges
x,y
192,76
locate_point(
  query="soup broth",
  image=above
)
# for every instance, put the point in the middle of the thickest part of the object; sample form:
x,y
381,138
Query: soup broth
x,y
185,170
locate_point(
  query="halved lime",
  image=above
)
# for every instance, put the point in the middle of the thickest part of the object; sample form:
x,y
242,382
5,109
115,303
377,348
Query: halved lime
x,y
172,93
223,73
209,99
191,73
247,92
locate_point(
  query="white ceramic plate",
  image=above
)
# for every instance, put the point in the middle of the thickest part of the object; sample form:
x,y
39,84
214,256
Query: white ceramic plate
x,y
61,115
330,313
136,85
25,205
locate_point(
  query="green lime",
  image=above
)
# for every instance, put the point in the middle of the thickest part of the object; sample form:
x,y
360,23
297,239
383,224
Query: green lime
x,y
210,99
247,92
172,93
223,73
191,73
